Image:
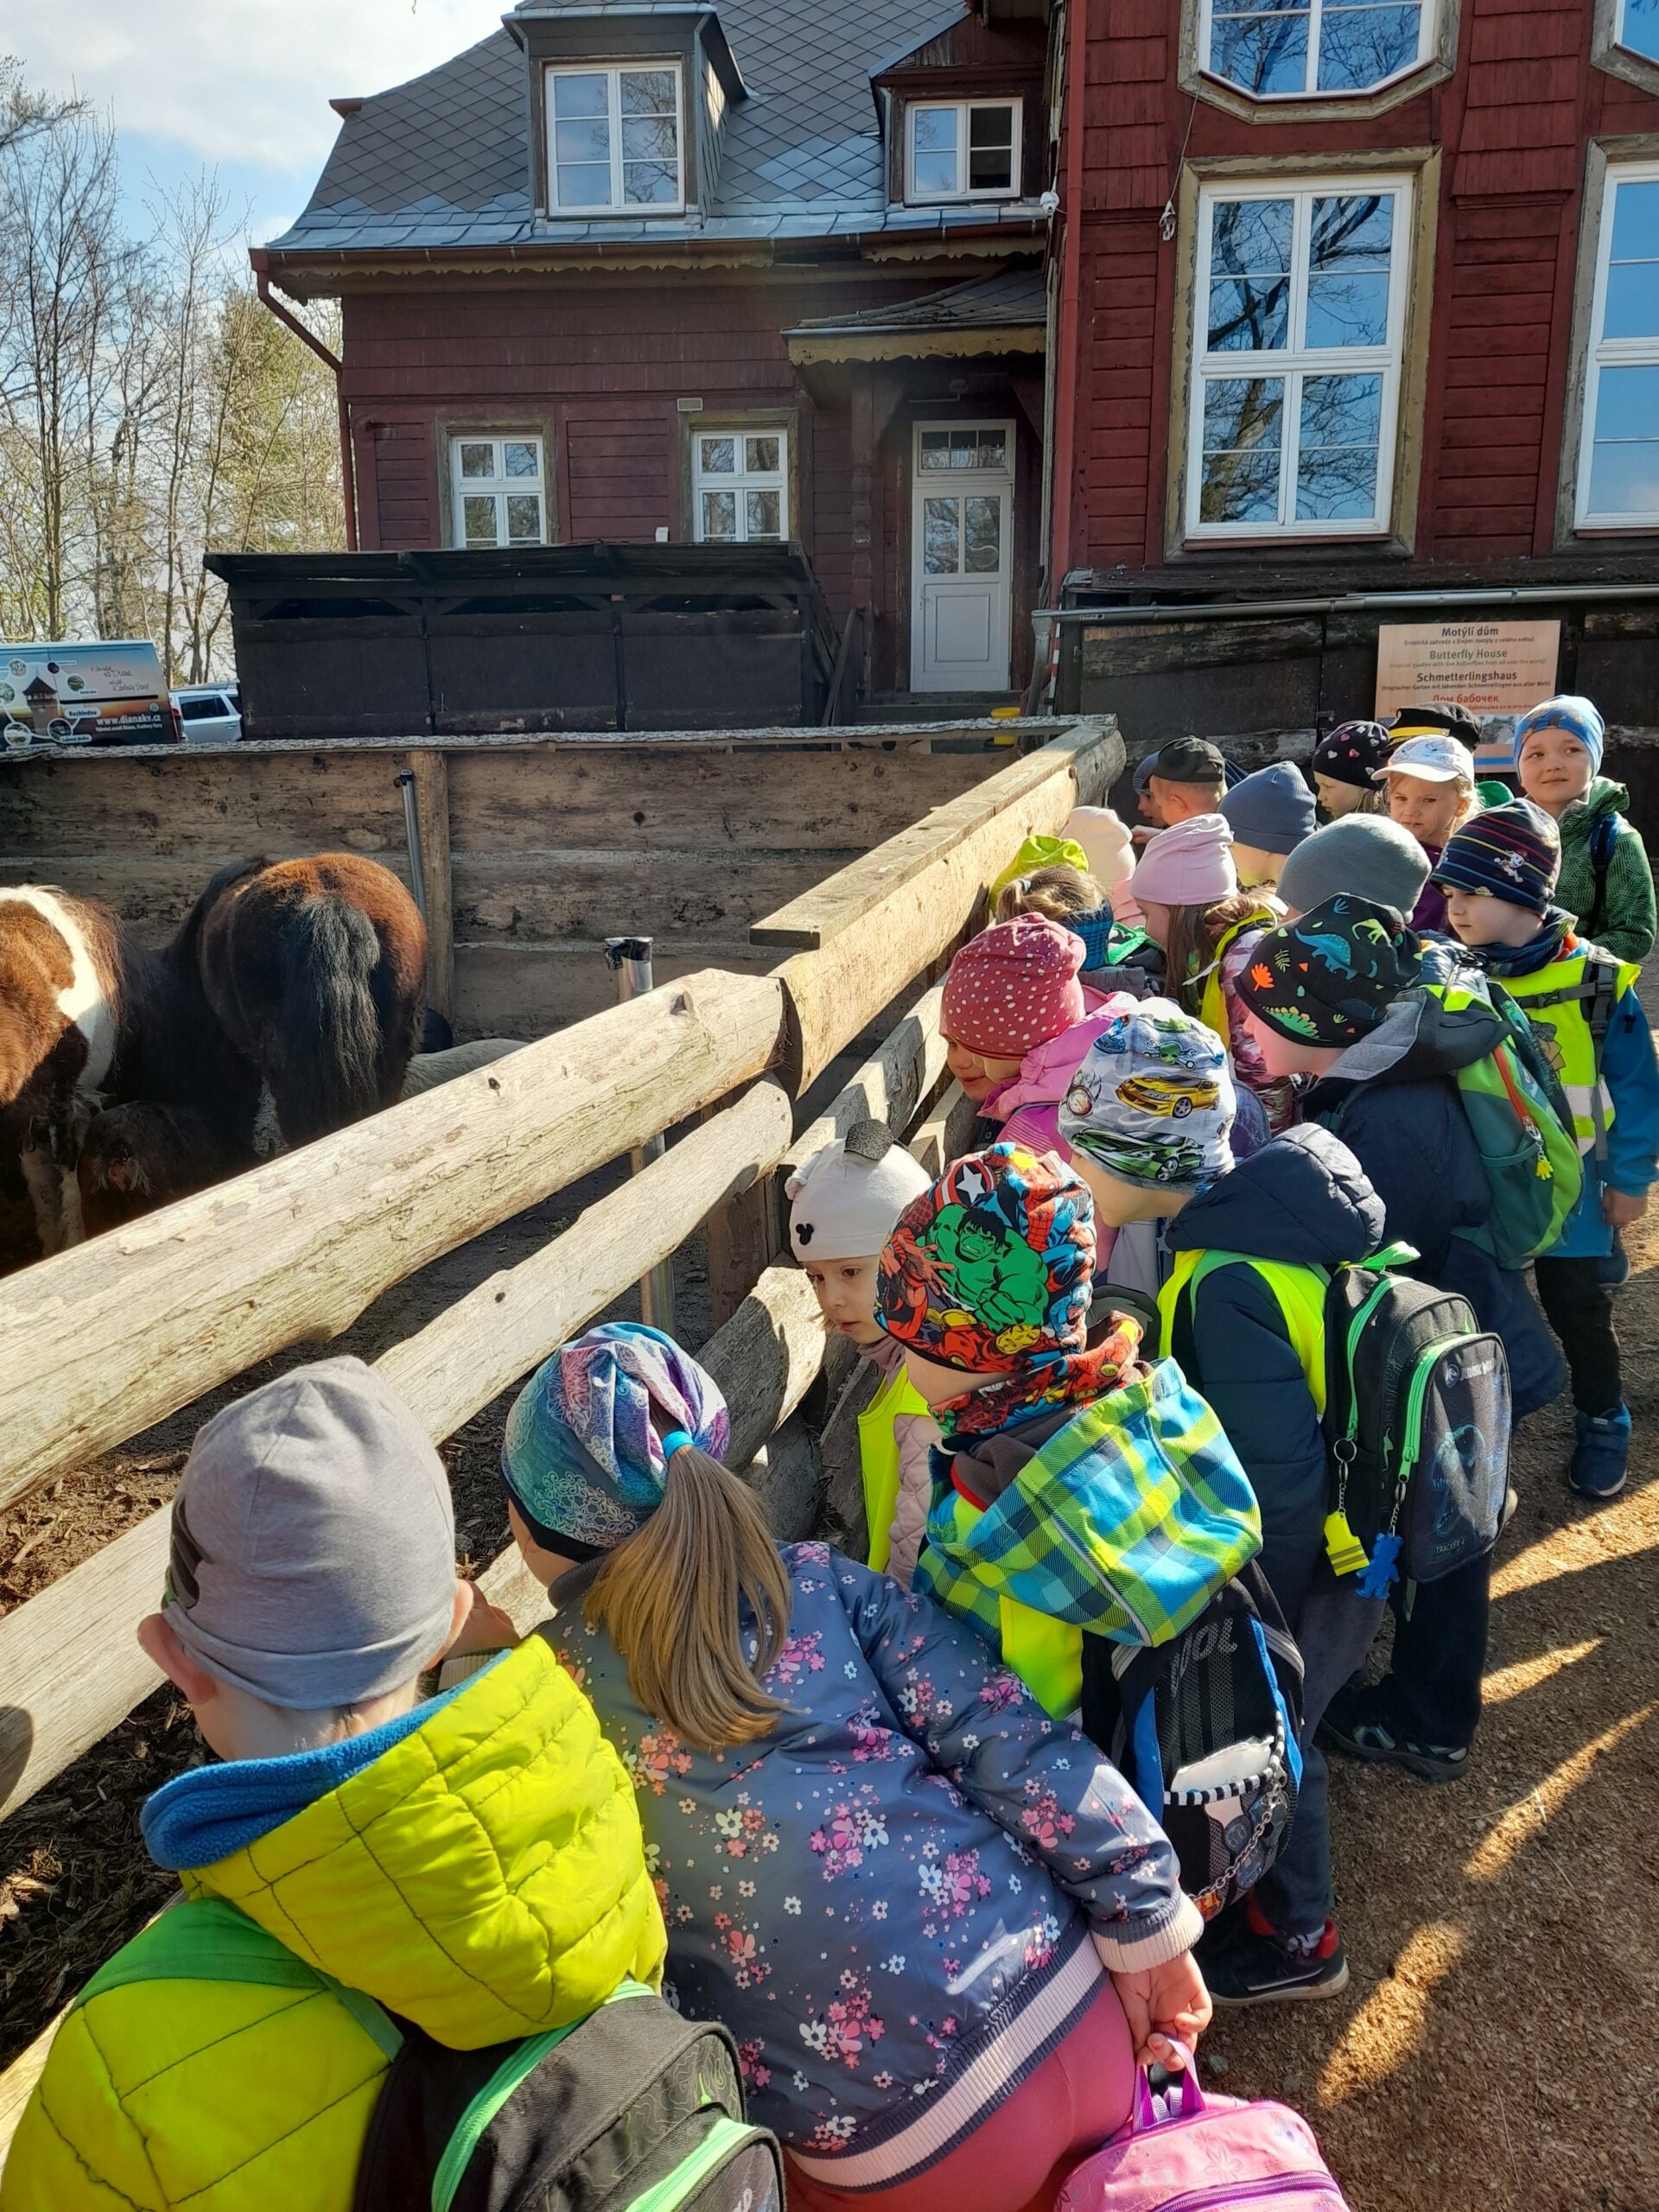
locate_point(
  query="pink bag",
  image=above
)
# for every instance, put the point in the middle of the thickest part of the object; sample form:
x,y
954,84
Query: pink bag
x,y
1213,2154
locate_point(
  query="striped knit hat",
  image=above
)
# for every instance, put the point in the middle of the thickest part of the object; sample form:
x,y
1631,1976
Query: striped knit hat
x,y
1512,852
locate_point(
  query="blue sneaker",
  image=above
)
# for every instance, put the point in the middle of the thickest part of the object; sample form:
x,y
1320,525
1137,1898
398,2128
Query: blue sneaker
x,y
1613,1268
1597,1466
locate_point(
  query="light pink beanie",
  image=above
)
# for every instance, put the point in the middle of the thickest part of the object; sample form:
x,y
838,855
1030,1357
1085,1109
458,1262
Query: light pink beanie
x,y
1105,840
1191,865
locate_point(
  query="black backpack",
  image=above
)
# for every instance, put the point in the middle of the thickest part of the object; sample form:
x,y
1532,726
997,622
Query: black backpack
x,y
1207,1728
633,2109
1417,1422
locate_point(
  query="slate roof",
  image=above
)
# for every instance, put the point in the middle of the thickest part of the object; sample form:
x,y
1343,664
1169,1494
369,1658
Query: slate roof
x,y
1012,296
443,161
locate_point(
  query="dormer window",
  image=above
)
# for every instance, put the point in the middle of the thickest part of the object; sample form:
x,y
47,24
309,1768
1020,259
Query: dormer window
x,y
613,140
1306,49
962,150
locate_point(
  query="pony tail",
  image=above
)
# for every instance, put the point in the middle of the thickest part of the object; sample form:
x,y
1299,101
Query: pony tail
x,y
671,1600
331,1026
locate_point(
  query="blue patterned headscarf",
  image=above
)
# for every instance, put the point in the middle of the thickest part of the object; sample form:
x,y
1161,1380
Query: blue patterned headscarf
x,y
582,1457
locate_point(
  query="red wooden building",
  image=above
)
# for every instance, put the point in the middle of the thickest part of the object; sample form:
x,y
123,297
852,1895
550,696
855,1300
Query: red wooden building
x,y
1350,314
750,271
1361,300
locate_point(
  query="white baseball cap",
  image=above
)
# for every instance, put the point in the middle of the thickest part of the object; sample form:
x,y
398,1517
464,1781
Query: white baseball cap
x,y
1436,759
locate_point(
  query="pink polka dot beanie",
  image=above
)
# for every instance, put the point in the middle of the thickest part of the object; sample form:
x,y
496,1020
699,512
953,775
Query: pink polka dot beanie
x,y
1013,987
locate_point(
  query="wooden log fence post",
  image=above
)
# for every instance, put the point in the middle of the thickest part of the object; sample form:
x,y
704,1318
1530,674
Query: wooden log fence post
x,y
431,774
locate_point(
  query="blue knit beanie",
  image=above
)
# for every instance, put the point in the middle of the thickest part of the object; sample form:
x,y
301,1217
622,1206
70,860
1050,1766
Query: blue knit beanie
x,y
1273,809
1578,716
590,1435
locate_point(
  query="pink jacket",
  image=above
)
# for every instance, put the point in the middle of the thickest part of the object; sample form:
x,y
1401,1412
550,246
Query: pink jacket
x,y
1029,1106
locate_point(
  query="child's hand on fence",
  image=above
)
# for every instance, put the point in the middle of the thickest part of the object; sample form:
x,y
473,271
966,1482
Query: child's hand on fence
x,y
1162,2003
1621,1209
485,1627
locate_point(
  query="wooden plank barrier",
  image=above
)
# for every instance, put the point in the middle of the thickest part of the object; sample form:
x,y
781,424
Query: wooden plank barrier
x,y
868,929
137,1323
105,1340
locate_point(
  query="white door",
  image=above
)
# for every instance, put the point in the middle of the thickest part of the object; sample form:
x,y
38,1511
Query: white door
x,y
961,556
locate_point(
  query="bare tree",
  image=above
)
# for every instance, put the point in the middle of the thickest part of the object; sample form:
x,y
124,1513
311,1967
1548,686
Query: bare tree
x,y
150,409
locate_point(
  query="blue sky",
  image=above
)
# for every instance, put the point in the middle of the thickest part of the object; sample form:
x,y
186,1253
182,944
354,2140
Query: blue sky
x,y
241,86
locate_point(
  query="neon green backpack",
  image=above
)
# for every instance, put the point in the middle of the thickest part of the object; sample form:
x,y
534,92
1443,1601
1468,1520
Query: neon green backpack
x,y
1518,1112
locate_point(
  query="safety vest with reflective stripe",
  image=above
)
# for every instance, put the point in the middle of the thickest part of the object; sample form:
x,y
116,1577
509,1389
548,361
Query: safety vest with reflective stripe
x,y
1556,1001
878,1458
1298,1293
1213,1000
1045,1654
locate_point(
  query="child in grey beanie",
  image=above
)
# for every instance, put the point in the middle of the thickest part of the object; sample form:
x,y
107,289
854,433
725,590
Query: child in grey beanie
x,y
1363,855
1269,814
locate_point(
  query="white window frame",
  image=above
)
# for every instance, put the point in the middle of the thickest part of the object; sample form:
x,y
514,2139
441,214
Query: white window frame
x,y
740,479
1293,363
1610,353
499,487
1427,32
963,109
614,72
1620,39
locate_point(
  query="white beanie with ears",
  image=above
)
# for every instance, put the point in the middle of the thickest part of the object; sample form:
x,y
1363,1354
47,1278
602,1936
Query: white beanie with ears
x,y
846,1202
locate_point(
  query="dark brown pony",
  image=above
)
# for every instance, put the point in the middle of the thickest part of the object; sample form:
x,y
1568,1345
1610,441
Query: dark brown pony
x,y
62,977
315,970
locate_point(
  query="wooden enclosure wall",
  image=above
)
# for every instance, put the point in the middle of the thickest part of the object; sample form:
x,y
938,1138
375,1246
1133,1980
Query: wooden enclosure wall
x,y
554,844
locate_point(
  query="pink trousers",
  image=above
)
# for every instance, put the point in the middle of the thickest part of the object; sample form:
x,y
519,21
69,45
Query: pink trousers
x,y
1016,2160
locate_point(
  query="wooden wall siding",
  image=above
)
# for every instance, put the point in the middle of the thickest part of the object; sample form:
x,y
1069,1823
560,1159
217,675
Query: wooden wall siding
x,y
1513,122
554,846
606,364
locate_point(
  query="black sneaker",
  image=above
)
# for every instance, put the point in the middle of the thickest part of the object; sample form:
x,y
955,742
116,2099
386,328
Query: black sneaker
x,y
1258,1968
1355,1722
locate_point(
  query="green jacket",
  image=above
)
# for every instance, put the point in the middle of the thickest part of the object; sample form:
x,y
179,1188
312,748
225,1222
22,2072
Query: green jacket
x,y
1626,925
484,1877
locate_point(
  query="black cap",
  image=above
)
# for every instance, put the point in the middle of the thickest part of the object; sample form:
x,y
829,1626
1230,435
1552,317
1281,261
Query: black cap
x,y
1434,717
1190,761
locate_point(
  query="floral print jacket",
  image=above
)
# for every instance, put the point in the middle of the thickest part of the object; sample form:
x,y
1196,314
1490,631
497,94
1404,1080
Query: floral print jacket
x,y
887,1900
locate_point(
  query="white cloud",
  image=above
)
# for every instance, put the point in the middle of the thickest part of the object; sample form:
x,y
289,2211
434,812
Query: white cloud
x,y
237,79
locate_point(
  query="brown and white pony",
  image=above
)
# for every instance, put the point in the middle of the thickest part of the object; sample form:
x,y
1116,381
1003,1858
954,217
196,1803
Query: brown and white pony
x,y
315,970
61,1021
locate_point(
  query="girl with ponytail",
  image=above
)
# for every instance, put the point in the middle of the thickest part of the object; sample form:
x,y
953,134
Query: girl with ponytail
x,y
940,1928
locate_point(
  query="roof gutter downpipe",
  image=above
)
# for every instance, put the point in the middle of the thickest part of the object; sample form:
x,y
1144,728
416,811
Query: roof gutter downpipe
x,y
1069,344
260,262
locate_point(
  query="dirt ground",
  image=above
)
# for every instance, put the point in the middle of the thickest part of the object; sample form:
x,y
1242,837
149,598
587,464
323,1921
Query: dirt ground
x,y
1495,2047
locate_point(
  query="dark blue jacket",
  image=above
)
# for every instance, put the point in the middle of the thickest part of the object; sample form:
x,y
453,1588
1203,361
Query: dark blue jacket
x,y
1392,1098
1304,1199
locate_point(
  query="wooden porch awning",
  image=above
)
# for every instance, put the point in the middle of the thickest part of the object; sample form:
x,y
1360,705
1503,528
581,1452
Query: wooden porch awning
x,y
1004,313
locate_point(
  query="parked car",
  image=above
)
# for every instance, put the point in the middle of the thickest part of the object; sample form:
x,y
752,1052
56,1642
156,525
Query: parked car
x,y
212,713
96,693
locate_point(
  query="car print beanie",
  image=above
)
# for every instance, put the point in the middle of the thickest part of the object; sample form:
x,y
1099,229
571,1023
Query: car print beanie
x,y
1012,987
1329,978
1152,1101
990,1271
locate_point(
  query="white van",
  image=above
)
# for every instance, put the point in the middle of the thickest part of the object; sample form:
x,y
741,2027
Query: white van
x,y
107,694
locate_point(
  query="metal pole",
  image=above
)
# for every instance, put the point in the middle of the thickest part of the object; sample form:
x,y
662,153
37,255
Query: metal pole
x,y
629,959
412,832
